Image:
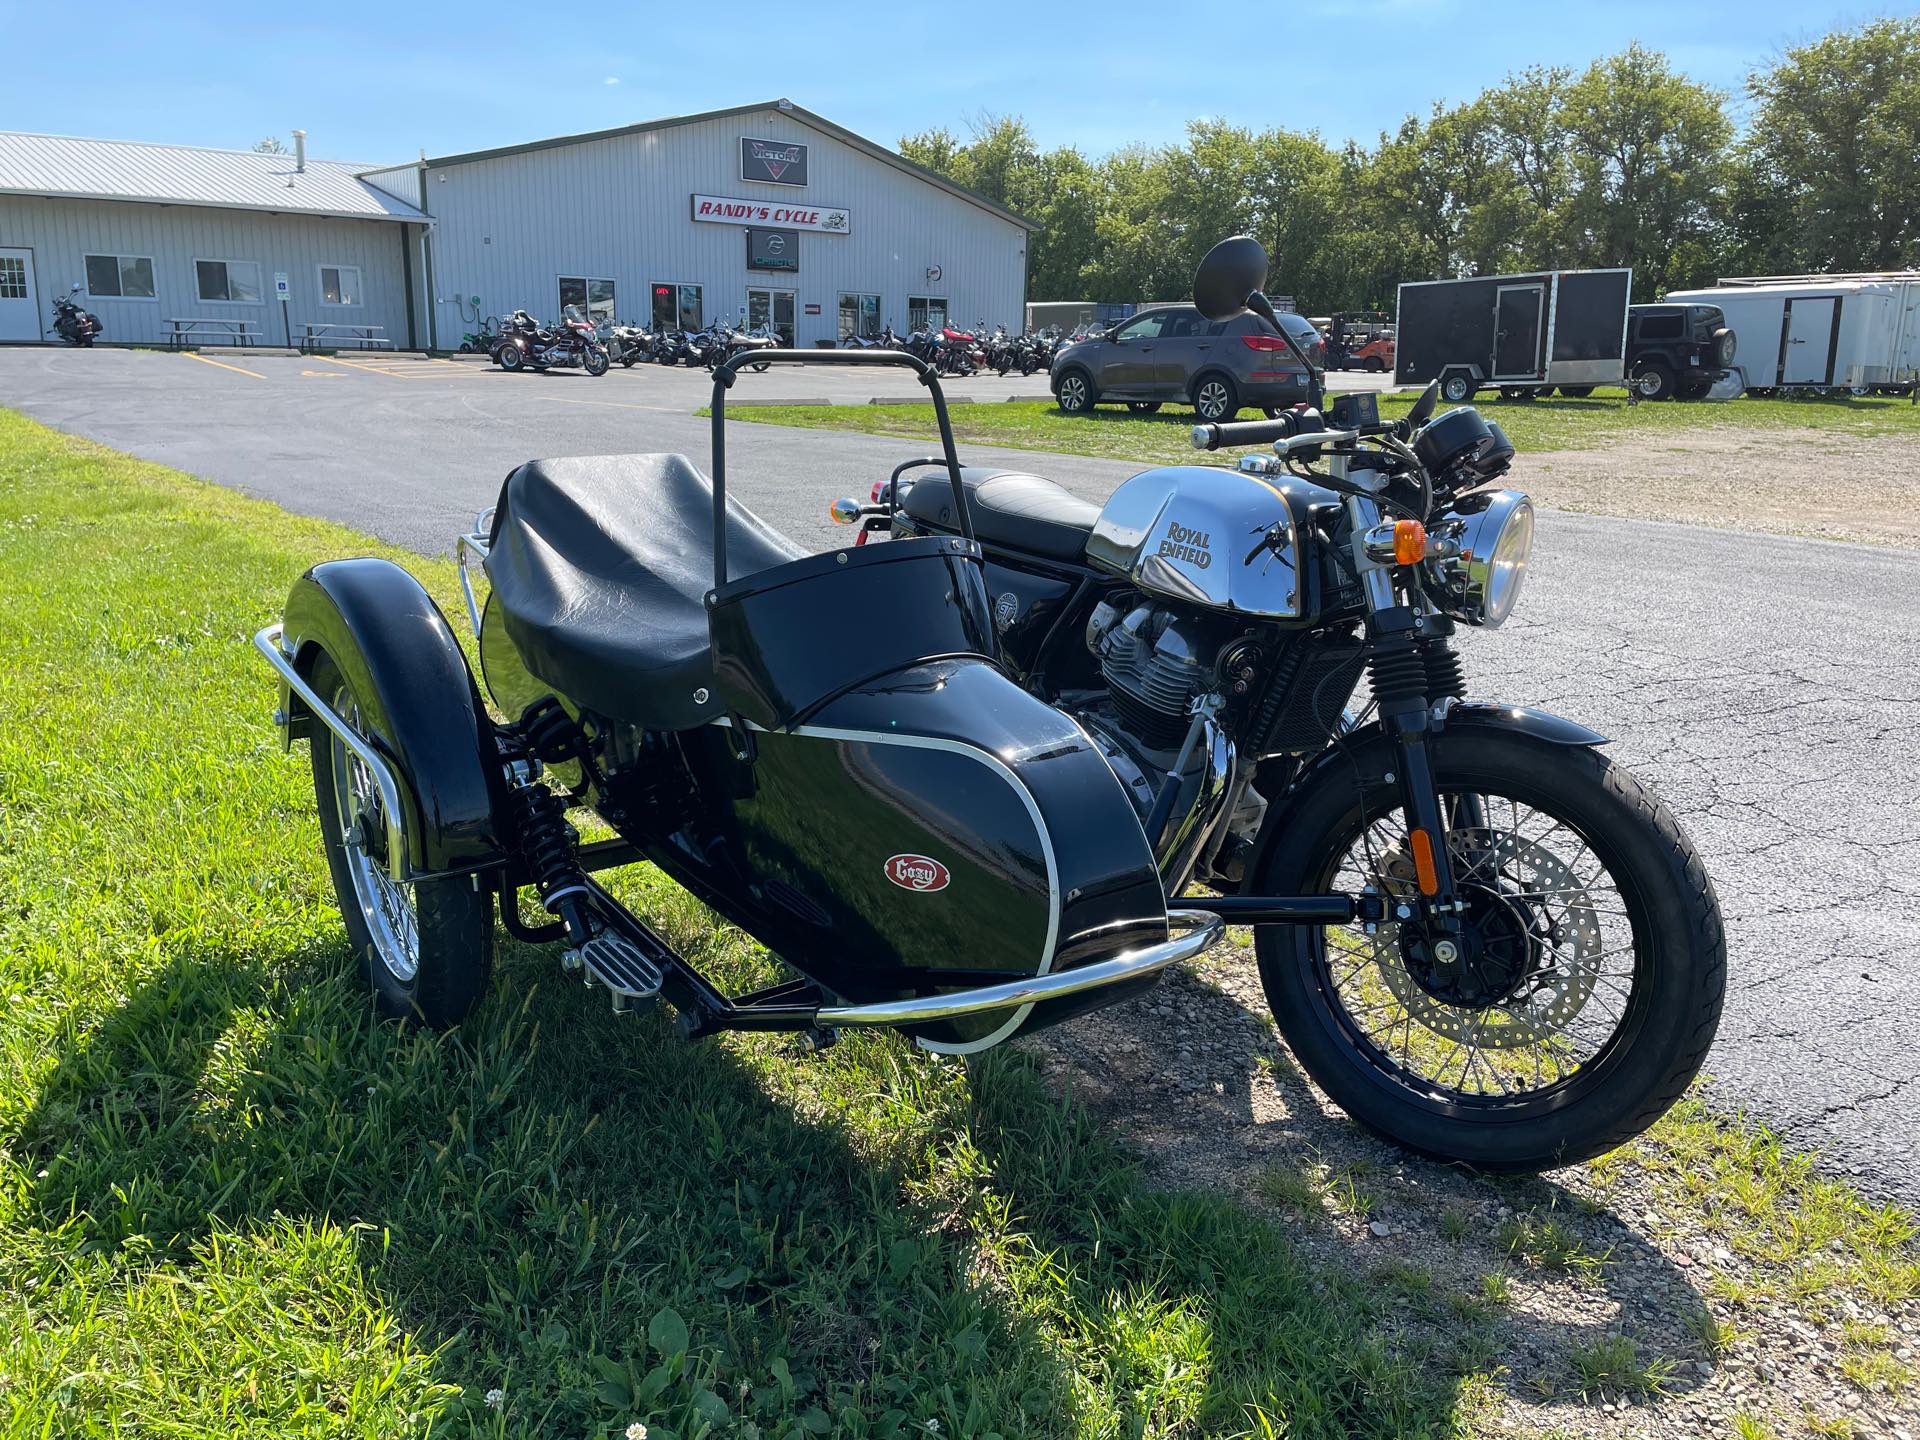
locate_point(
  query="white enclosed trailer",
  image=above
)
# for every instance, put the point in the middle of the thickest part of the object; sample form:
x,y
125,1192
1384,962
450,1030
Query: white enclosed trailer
x,y
1816,333
1903,359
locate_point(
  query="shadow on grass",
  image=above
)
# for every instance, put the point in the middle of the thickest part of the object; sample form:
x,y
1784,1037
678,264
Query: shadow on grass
x,y
922,1243
1198,1079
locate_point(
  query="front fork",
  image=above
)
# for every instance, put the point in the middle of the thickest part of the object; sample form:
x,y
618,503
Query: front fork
x,y
1400,634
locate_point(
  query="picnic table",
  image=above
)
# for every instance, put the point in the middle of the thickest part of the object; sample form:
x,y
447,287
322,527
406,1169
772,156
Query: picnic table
x,y
234,332
366,337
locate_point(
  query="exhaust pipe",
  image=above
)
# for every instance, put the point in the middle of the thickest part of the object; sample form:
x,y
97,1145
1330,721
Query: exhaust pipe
x,y
299,152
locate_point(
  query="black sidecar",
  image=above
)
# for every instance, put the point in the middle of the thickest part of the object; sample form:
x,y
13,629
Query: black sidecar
x,y
824,749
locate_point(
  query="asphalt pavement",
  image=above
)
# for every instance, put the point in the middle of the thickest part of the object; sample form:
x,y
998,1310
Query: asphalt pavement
x,y
1768,687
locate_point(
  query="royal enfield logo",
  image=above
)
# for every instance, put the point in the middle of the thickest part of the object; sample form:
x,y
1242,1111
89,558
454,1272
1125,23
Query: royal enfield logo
x,y
773,162
1183,543
917,872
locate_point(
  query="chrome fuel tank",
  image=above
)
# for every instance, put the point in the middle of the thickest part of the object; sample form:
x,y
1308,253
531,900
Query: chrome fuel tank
x,y
1185,531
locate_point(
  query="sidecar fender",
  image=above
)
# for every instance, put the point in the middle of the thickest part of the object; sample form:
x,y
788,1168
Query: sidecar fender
x,y
1368,744
392,645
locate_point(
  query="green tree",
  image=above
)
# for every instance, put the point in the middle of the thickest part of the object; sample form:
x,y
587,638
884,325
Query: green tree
x,y
1835,148
269,146
1649,152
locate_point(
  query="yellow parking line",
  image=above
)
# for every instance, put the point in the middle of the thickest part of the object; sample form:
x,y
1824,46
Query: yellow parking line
x,y
382,370
238,370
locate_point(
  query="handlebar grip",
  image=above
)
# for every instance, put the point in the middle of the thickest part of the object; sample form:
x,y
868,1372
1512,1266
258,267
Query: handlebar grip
x,y
1244,432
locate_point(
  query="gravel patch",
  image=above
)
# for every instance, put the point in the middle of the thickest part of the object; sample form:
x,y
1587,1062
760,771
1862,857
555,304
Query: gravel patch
x,y
1523,1288
1828,485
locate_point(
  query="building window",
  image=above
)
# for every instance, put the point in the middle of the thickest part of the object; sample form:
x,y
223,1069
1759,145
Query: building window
x,y
340,285
228,282
860,315
676,307
13,278
594,297
926,312
772,308
120,277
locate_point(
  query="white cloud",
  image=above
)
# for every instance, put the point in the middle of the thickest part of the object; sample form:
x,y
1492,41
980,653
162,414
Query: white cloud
x,y
611,80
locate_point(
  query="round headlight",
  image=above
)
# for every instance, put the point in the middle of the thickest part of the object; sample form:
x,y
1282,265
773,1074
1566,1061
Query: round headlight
x,y
1493,555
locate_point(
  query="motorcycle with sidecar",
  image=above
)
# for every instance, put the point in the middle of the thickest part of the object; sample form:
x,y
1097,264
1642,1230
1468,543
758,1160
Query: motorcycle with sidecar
x,y
1021,755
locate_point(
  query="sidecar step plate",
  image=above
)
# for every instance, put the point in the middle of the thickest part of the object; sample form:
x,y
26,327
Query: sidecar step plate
x,y
622,967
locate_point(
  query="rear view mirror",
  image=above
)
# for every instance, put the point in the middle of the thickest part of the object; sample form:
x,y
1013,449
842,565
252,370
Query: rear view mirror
x,y
1232,270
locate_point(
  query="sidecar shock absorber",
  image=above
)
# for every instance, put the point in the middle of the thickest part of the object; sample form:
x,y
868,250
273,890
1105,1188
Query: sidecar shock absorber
x,y
547,845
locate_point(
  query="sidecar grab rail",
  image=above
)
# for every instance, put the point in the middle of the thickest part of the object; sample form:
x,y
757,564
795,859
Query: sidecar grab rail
x,y
392,815
1203,931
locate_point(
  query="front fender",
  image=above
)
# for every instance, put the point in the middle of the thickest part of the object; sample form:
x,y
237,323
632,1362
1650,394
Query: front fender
x,y
392,645
1368,745
1540,724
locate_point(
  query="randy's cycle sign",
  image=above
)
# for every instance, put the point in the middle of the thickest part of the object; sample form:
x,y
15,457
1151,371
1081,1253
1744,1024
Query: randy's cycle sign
x,y
773,162
730,210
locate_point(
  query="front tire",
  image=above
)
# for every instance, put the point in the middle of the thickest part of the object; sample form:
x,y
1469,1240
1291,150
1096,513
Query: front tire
x,y
426,948
510,358
1548,1075
595,362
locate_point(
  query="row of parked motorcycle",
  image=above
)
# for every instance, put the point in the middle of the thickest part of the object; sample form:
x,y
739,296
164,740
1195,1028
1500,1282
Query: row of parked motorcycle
x,y
953,351
520,342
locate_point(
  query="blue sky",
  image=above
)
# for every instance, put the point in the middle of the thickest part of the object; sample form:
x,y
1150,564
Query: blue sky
x,y
376,83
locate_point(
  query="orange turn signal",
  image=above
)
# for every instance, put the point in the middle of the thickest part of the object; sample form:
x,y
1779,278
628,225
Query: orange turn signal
x,y
1409,542
1423,847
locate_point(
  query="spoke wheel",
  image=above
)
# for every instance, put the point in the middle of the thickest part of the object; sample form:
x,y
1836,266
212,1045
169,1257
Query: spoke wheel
x,y
385,905
1587,983
1557,956
426,947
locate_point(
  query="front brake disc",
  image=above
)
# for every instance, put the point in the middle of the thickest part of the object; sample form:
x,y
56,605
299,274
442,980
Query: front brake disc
x,y
1563,928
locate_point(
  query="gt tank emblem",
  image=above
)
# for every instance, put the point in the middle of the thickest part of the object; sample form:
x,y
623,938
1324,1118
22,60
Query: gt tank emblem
x,y
917,872
1005,611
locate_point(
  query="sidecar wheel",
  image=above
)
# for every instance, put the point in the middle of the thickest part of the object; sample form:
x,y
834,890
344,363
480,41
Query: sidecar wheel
x,y
1598,953
425,949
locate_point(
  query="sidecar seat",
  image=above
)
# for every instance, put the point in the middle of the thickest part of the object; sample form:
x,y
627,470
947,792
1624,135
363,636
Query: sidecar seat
x,y
600,565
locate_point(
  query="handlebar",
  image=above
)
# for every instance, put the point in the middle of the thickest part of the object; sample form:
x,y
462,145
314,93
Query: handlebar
x,y
1256,432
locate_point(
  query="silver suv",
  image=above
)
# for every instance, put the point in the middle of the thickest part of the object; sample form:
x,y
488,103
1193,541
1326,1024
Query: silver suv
x,y
1174,353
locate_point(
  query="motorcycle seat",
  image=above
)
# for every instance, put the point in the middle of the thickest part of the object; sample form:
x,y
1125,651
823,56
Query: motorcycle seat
x,y
1010,509
600,565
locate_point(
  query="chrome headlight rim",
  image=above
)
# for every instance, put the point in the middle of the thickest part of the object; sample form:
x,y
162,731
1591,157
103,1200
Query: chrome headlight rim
x,y
1496,541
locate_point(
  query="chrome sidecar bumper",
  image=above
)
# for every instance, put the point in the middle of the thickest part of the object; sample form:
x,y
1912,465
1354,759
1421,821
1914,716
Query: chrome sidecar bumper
x,y
1202,932
392,813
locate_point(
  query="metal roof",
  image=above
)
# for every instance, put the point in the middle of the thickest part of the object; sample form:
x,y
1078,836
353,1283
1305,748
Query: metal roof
x,y
783,107
64,167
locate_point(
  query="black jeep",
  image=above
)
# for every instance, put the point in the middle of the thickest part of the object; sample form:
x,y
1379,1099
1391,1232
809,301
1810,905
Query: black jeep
x,y
1677,350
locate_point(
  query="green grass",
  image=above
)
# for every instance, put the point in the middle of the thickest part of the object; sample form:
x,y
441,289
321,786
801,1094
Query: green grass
x,y
1612,1365
233,1204
1536,425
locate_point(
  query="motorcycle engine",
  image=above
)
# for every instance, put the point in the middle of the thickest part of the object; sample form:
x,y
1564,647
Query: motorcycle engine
x,y
1154,663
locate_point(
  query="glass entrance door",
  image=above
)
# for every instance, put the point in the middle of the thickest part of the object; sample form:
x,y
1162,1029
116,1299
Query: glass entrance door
x,y
771,307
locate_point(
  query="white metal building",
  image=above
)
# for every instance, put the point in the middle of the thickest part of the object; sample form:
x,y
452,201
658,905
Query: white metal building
x,y
156,232
765,210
